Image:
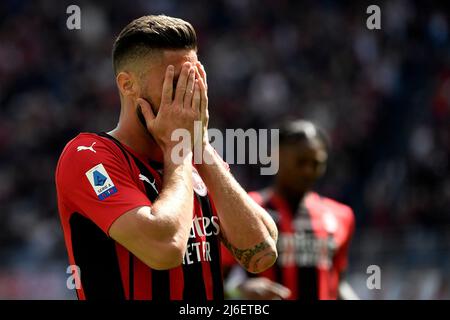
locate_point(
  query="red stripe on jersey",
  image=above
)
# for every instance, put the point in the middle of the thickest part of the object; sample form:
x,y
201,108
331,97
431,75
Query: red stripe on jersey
x,y
142,280
68,239
269,273
150,279
176,284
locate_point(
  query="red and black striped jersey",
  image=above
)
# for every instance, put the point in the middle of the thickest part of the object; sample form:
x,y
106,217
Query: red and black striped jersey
x,y
312,244
97,180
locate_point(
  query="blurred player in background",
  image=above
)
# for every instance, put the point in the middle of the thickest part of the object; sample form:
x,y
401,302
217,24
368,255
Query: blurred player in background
x,y
315,231
138,224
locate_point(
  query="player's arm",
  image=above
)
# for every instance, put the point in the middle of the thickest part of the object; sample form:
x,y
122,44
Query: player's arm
x,y
158,235
247,229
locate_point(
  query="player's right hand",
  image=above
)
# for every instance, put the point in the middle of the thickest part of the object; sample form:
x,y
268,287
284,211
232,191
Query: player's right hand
x,y
178,112
263,289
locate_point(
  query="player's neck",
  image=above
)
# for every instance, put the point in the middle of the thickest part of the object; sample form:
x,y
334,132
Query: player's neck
x,y
132,134
292,198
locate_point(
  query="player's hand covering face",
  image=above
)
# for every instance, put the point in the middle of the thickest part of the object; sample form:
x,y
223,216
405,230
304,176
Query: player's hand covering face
x,y
177,110
183,101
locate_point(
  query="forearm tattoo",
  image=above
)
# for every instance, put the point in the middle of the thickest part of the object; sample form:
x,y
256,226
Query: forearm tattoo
x,y
246,255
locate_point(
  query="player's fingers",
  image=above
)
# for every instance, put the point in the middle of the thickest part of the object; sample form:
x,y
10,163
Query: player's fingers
x,y
182,83
280,290
187,102
202,72
203,97
146,110
167,92
196,98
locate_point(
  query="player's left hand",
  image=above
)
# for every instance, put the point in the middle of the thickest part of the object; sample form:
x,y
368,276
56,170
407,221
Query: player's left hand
x,y
263,289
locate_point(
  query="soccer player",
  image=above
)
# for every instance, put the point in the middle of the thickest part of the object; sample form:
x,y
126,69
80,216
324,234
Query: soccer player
x,y
315,231
137,223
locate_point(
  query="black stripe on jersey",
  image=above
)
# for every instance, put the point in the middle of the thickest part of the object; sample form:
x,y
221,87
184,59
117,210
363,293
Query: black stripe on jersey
x,y
131,275
95,254
160,285
307,283
194,286
307,277
272,210
125,153
216,271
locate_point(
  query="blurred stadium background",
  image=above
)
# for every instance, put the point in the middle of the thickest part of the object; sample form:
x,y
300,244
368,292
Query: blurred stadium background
x,y
382,95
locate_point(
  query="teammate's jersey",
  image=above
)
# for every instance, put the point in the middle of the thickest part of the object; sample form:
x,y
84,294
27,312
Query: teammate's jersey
x,y
98,180
312,244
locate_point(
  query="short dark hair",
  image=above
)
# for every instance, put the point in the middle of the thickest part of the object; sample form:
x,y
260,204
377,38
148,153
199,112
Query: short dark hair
x,y
145,34
293,131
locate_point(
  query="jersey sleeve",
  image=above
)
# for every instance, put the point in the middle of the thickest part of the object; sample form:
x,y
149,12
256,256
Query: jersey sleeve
x,y
341,260
100,185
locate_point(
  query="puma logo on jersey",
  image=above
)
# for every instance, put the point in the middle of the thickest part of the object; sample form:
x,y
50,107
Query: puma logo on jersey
x,y
153,184
91,148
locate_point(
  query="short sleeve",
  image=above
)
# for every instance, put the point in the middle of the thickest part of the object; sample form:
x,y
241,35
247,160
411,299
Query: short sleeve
x,y
98,182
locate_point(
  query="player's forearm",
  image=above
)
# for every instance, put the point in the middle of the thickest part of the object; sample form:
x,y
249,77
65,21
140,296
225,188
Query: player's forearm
x,y
247,229
164,226
173,208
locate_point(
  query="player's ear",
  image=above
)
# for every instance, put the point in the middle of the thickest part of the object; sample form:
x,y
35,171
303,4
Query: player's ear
x,y
126,83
